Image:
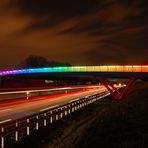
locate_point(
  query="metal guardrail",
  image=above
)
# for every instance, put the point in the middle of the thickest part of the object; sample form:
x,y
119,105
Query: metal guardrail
x,y
16,130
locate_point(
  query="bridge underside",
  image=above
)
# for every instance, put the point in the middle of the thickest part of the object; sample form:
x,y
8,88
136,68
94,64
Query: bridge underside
x,y
140,75
102,76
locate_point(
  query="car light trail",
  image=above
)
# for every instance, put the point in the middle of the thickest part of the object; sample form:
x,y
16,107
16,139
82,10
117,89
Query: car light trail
x,y
30,91
51,89
3,110
16,102
51,99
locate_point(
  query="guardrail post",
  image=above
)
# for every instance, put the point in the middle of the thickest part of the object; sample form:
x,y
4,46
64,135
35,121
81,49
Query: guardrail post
x,y
27,93
37,124
75,106
16,132
28,130
65,111
84,103
72,107
45,122
61,115
56,116
69,110
51,118
2,138
78,106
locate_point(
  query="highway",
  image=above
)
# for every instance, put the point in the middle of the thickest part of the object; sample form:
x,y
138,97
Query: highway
x,y
22,93
18,109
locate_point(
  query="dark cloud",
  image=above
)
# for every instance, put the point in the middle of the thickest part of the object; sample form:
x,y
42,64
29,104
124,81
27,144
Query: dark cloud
x,y
124,47
56,7
55,11
116,54
75,31
117,15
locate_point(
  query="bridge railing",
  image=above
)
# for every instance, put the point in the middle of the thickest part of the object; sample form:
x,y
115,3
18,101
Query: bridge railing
x,y
113,68
127,68
118,68
16,130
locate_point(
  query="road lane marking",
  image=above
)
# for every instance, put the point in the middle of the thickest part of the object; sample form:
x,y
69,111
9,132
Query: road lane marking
x,y
104,96
48,108
4,121
96,93
5,110
87,96
74,100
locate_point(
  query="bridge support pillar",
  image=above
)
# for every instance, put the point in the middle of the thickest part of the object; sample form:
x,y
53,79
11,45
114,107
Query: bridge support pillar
x,y
115,92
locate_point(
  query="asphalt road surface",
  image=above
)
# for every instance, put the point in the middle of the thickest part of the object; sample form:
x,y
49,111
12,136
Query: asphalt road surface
x,y
22,108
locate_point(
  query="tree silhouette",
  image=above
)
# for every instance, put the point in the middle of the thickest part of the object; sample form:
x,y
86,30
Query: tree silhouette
x,y
34,61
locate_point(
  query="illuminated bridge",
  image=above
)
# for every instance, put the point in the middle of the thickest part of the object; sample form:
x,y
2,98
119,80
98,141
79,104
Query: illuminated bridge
x,y
20,118
132,72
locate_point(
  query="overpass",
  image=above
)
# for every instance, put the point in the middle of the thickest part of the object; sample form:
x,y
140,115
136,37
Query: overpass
x,y
132,72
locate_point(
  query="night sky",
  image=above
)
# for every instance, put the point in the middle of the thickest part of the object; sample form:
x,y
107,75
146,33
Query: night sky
x,y
81,32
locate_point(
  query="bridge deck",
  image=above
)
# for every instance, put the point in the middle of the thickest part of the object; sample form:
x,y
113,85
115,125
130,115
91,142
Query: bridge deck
x,y
109,71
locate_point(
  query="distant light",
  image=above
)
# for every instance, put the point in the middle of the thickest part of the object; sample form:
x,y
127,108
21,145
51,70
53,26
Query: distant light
x,y
119,84
49,81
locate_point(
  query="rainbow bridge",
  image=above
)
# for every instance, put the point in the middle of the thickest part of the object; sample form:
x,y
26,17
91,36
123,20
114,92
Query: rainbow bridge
x,y
132,72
